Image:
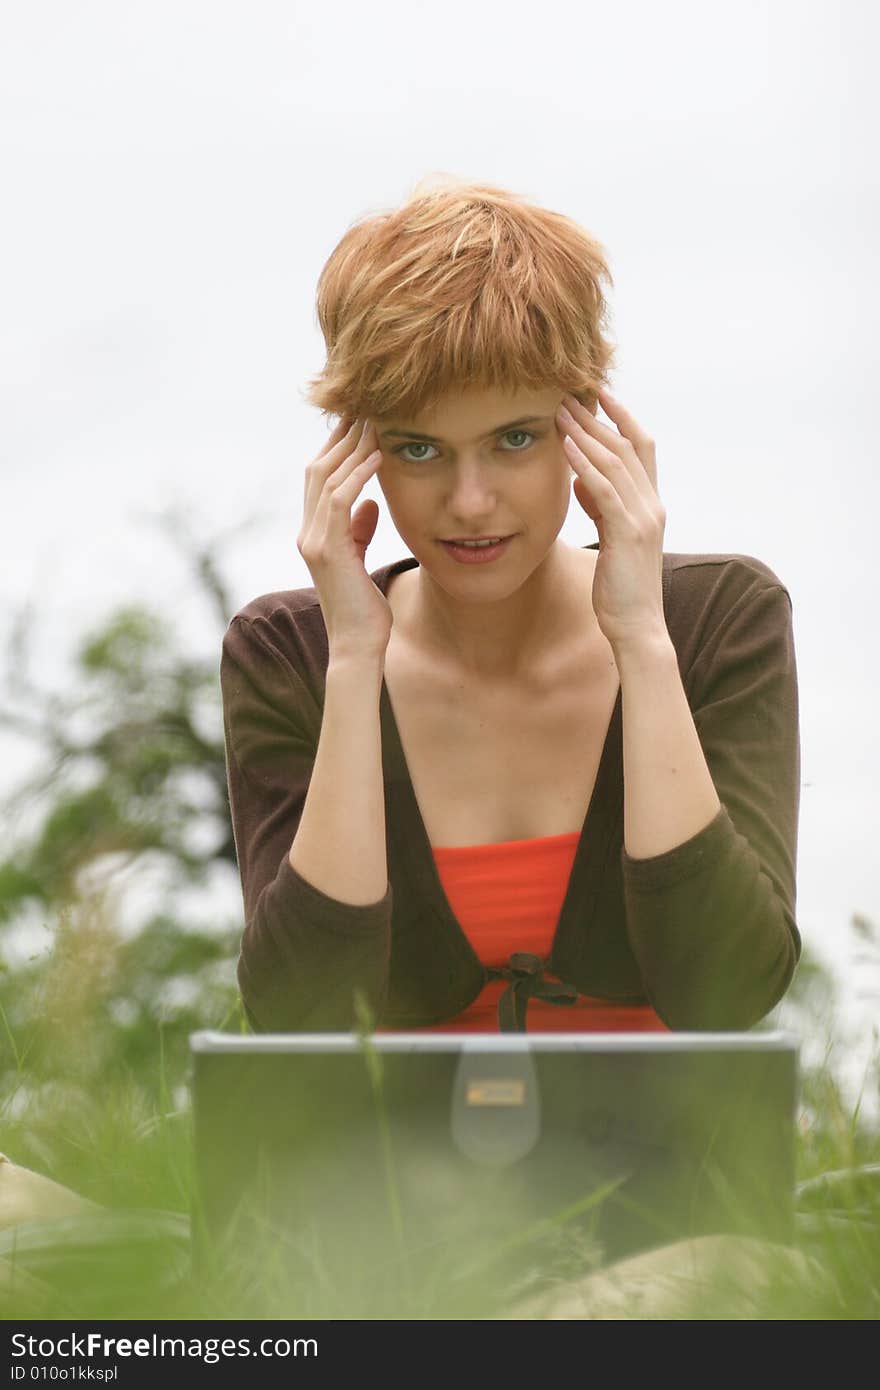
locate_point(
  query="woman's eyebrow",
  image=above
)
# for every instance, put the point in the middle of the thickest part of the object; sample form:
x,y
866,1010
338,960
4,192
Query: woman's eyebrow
x,y
432,439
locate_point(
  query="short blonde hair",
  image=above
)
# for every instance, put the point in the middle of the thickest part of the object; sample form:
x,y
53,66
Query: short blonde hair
x,y
463,285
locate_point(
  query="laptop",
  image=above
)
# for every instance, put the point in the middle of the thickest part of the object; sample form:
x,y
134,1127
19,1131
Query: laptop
x,y
371,1166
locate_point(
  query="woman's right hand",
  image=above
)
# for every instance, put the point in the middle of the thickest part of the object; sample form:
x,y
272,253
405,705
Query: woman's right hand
x,y
333,542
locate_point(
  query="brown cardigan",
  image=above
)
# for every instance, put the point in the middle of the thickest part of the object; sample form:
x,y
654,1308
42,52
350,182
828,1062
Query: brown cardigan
x,y
705,932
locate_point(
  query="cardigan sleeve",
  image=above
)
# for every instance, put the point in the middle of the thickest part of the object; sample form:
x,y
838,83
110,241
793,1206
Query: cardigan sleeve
x,y
712,921
303,953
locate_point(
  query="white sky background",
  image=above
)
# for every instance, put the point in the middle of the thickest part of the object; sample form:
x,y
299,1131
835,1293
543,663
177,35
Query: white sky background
x,y
175,174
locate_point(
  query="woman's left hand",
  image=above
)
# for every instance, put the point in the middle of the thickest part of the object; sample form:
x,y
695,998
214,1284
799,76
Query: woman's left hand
x,y
616,485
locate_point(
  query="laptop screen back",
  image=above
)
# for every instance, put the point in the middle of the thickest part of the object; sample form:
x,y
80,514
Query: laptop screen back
x,y
401,1154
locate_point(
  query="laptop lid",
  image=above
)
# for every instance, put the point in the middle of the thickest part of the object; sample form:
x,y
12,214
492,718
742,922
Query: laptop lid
x,y
391,1157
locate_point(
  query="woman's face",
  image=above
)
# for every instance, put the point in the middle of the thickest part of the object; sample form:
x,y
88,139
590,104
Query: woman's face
x,y
480,463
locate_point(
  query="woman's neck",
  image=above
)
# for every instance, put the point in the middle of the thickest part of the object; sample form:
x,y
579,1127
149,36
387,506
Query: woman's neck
x,y
508,638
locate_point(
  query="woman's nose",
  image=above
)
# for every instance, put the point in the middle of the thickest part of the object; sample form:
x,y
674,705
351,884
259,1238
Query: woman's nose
x,y
472,491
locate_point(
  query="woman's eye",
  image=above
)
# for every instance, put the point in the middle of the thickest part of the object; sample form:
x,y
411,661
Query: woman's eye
x,y
414,444
522,432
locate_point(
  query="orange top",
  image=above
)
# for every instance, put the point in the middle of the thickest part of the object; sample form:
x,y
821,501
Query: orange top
x,y
507,898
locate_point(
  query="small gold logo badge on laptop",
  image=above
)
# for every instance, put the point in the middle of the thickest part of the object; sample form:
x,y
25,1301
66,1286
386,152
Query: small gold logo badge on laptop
x,y
496,1092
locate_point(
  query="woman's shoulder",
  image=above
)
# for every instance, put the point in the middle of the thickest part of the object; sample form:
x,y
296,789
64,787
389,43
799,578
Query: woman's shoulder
x,y
279,634
280,606
735,570
697,585
274,605
726,608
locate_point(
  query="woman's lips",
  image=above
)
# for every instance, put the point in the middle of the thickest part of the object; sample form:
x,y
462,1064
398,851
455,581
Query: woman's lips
x,y
476,555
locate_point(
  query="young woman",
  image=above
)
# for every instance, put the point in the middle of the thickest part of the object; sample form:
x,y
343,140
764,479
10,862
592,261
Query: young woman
x,y
504,769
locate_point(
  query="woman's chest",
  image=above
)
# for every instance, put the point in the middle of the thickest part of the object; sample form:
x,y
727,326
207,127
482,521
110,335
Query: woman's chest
x,y
492,762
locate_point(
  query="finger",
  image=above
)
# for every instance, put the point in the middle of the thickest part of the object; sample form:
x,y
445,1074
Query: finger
x,y
634,448
353,446
342,427
364,521
630,429
588,502
326,464
607,462
343,497
366,446
328,460
594,480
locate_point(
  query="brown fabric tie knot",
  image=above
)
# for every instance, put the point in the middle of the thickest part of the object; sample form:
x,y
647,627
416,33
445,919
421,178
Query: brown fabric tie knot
x,y
527,981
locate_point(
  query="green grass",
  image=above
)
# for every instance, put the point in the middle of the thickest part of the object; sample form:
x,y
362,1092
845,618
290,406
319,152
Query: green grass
x,y
130,1149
